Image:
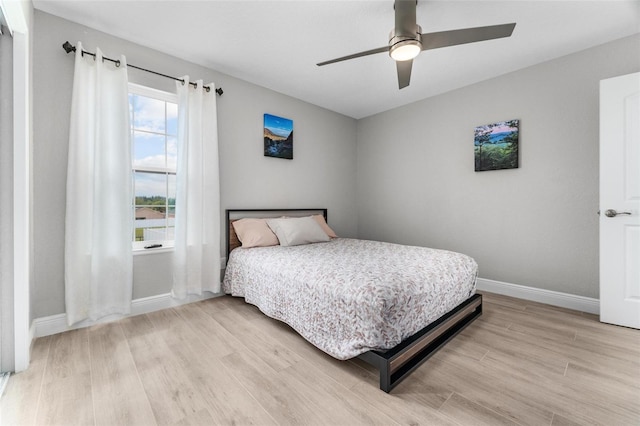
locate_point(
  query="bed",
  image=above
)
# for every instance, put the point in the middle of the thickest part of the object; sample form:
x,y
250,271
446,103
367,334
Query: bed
x,y
390,305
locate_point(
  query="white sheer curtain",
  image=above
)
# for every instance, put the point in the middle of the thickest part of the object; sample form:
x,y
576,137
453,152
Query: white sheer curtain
x,y
196,266
98,257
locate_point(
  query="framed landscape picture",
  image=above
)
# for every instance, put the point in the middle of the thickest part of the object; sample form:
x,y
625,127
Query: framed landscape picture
x,y
496,146
278,137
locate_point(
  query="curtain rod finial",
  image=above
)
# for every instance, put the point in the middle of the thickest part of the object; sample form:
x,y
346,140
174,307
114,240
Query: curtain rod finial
x,y
68,47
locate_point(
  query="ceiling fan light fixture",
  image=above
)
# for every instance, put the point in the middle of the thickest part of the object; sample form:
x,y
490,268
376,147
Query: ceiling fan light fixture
x,y
405,39
405,50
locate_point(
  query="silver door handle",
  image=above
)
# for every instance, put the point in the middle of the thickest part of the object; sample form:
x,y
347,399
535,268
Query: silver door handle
x,y
613,213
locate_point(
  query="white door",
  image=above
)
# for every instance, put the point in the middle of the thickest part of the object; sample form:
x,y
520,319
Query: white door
x,y
620,200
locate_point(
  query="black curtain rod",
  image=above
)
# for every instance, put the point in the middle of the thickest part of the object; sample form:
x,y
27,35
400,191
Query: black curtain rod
x,y
68,47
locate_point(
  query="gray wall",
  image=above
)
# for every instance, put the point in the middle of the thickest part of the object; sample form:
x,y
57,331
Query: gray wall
x,y
322,173
535,225
414,184
7,354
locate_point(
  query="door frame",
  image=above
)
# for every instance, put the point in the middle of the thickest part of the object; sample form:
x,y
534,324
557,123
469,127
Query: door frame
x,y
19,17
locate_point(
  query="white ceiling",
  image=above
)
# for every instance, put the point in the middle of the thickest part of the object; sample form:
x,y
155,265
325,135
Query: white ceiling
x,y
276,44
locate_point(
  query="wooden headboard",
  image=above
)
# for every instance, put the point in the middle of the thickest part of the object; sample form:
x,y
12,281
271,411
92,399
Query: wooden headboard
x,y
236,214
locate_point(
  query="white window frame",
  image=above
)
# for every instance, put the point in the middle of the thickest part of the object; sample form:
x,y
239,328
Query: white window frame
x,y
136,89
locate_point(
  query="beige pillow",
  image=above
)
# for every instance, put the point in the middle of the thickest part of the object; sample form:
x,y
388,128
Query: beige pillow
x,y
297,231
254,233
323,224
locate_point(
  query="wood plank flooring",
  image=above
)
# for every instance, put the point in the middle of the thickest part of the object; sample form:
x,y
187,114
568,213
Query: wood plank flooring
x,y
221,361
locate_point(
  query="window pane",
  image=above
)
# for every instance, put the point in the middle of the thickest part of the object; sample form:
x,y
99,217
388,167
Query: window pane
x,y
153,233
171,189
150,189
148,150
148,114
154,156
150,206
172,119
150,186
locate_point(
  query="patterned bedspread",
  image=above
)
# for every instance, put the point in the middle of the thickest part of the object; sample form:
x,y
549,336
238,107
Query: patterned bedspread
x,y
349,296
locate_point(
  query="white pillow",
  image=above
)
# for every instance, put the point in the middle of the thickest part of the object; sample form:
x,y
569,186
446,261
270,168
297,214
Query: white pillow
x,y
297,231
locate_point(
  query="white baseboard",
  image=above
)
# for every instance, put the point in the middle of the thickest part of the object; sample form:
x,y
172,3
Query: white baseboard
x,y
55,324
555,298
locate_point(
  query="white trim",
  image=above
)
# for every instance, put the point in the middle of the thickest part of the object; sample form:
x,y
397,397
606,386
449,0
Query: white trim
x,y
21,199
549,297
55,324
150,92
167,247
15,15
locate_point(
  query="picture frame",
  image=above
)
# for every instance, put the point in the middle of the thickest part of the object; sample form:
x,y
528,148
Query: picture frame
x,y
278,137
496,146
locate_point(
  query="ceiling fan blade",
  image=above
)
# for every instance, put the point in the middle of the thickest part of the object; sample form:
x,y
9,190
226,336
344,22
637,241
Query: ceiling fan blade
x,y
465,35
355,55
405,18
404,72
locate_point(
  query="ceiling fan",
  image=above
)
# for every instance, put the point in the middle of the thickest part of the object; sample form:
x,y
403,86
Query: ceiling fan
x,y
406,40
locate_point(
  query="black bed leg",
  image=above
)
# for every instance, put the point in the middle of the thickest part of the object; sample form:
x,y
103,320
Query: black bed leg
x,y
385,377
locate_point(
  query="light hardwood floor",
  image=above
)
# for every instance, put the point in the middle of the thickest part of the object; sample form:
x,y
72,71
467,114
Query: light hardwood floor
x,y
223,362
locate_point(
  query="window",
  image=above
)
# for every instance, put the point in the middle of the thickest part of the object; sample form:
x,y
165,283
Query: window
x,y
154,124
